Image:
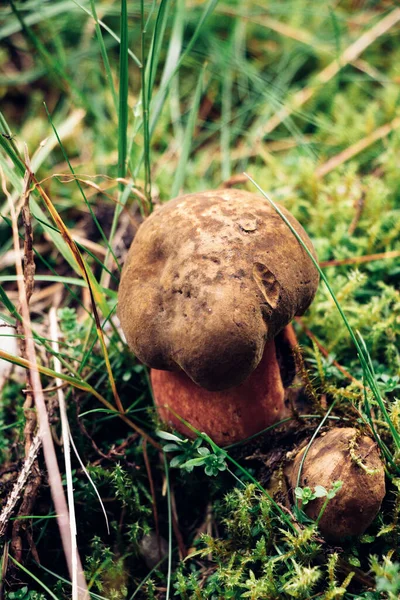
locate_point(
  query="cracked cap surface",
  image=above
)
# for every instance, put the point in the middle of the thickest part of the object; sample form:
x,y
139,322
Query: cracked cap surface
x,y
209,278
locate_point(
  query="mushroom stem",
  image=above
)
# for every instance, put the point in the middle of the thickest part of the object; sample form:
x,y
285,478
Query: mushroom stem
x,y
227,416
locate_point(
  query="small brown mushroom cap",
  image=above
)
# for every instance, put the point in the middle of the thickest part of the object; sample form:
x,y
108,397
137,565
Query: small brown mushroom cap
x,y
209,278
343,455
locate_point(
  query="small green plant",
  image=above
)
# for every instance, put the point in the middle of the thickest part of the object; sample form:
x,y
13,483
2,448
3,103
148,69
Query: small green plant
x,y
69,324
193,454
306,495
387,575
303,579
106,570
25,594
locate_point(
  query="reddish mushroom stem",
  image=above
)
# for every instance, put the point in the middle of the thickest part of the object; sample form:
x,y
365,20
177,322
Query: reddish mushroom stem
x,y
227,416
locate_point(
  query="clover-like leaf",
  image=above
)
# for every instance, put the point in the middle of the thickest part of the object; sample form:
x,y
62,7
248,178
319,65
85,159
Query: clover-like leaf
x,y
320,492
203,451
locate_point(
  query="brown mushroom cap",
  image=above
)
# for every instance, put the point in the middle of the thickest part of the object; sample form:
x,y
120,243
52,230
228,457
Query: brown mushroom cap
x,y
362,473
209,278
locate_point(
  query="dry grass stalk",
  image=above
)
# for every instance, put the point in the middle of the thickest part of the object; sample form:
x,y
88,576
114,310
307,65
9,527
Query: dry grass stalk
x,y
21,525
86,275
351,53
359,205
358,147
175,525
152,491
355,260
45,436
75,561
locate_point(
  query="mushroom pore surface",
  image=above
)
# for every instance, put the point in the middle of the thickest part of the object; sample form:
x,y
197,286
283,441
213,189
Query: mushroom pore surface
x,y
209,278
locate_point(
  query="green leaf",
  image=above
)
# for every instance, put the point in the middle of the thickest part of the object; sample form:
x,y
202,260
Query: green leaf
x,y
203,451
193,462
320,491
211,471
165,435
354,561
171,447
337,485
298,492
176,461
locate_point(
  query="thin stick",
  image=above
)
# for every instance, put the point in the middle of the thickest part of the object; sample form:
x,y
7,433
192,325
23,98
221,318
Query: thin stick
x,y
166,470
175,524
67,452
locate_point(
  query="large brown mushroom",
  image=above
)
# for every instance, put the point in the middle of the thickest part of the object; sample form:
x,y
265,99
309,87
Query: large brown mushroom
x,y
209,281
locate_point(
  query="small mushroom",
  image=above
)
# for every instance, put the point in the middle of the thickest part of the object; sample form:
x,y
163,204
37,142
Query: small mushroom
x,y
209,281
342,454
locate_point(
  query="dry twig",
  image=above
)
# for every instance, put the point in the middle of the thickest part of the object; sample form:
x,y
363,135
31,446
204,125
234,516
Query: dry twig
x,y
19,485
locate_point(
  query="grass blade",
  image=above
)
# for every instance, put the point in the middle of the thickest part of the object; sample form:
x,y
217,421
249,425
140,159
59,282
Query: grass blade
x,y
104,54
78,183
208,9
33,577
84,469
65,82
188,138
156,46
157,102
110,31
145,113
79,384
123,94
94,290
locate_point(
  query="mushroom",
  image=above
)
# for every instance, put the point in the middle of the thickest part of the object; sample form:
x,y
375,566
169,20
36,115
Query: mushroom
x,y
342,454
209,281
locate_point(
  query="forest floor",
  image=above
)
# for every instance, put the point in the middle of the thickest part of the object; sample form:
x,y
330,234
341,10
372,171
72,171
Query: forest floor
x,y
111,108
